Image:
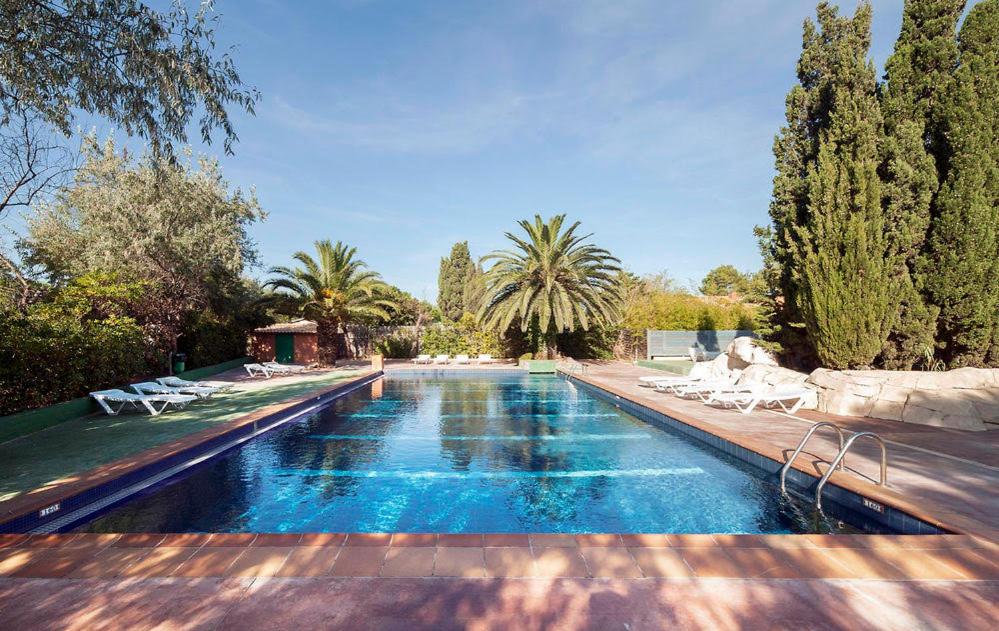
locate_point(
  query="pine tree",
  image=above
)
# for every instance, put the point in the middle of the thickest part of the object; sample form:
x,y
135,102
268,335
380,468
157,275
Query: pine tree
x,y
841,262
456,273
809,106
961,264
917,75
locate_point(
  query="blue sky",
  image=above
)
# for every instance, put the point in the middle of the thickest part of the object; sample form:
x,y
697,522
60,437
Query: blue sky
x,y
402,127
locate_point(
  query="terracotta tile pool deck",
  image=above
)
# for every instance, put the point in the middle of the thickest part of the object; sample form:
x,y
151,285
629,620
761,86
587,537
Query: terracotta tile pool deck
x,y
597,581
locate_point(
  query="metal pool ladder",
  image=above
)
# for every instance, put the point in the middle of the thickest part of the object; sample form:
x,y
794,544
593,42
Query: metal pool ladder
x,y
837,462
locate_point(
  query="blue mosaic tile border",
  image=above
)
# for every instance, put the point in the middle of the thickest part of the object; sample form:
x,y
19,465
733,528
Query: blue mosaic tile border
x,y
837,501
35,520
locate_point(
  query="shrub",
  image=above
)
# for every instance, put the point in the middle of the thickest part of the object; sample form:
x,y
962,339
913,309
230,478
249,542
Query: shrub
x,y
462,337
670,311
76,343
396,347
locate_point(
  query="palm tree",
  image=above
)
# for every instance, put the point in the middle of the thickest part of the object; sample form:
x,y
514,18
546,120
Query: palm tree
x,y
552,280
334,290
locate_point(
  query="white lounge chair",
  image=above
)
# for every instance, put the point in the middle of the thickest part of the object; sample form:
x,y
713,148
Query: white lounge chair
x,y
284,368
673,386
149,387
462,359
441,359
422,359
706,391
746,401
652,381
177,382
485,358
108,398
258,370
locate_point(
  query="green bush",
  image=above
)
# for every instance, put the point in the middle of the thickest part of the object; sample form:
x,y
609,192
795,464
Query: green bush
x,y
396,347
462,337
77,342
674,311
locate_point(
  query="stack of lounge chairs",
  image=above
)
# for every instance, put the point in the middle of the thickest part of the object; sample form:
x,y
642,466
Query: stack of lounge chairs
x,y
483,358
156,397
737,392
269,369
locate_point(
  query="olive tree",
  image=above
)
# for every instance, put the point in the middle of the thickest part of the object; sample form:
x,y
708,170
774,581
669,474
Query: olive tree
x,y
148,72
174,224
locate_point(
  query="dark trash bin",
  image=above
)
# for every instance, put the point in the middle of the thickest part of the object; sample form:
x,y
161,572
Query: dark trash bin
x,y
179,362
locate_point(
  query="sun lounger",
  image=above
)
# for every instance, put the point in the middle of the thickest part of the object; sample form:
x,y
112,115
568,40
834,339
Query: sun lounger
x,y
258,370
708,390
674,385
149,387
485,358
422,359
284,368
114,401
462,359
661,381
746,401
441,359
177,382
649,380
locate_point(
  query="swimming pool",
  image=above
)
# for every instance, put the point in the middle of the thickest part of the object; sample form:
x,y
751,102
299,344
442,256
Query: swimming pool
x,y
464,452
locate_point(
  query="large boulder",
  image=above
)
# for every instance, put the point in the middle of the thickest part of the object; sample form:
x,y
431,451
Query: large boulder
x,y
773,375
745,350
720,368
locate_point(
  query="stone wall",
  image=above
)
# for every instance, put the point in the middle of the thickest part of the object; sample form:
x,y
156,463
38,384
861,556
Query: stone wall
x,y
964,398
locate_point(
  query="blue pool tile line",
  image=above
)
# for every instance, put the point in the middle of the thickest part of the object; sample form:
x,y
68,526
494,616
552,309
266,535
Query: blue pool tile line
x,y
66,506
486,438
488,475
837,501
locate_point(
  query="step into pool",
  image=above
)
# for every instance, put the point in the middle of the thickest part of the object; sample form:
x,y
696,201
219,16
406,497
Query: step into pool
x,y
502,452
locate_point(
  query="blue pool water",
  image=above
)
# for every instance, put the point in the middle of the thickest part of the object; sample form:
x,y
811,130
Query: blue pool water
x,y
497,452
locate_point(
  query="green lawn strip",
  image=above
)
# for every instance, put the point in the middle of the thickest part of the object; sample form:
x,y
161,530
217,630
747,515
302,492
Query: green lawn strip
x,y
78,445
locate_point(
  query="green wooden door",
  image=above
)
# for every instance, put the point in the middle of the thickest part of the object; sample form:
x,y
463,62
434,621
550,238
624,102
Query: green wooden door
x,y
284,348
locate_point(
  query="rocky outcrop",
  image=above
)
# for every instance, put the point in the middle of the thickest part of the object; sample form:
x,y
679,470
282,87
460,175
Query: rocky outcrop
x,y
965,398
745,350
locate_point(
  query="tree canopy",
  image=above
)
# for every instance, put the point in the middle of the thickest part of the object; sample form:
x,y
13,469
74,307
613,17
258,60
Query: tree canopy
x,y
149,72
961,261
455,282
333,288
176,225
552,280
725,280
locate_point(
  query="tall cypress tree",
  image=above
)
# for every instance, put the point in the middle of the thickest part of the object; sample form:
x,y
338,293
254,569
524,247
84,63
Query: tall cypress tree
x,y
961,264
917,75
796,148
841,261
456,273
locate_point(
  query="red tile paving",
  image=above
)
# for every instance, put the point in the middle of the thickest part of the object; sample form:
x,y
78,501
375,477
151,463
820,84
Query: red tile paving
x,y
465,562
455,603
559,562
409,561
414,540
359,561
